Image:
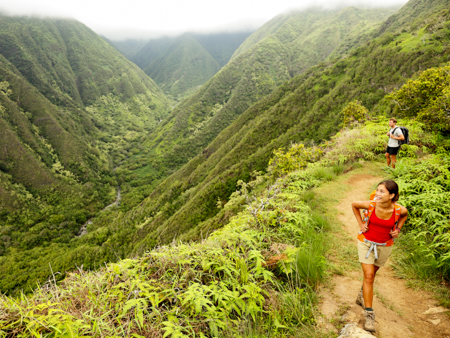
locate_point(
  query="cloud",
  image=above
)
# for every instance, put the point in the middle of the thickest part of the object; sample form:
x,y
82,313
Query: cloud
x,y
144,19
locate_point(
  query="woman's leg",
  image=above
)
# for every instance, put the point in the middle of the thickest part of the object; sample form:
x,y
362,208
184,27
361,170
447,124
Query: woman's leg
x,y
369,271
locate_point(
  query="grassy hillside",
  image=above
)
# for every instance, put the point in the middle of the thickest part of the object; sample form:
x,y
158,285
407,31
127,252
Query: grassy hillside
x,y
244,81
129,47
71,107
190,203
150,52
258,275
221,46
181,64
251,76
313,30
305,109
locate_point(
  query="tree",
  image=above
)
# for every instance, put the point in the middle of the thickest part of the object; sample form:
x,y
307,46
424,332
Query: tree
x,y
354,113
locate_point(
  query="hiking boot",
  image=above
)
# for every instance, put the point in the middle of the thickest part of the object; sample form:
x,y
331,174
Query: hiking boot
x,y
370,321
360,299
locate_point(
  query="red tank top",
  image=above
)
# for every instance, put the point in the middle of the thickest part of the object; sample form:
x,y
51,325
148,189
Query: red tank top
x,y
379,228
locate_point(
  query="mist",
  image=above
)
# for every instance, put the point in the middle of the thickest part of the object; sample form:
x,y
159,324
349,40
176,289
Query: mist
x,y
140,19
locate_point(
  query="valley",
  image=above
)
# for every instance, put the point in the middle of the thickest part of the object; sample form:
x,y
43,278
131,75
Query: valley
x,y
173,186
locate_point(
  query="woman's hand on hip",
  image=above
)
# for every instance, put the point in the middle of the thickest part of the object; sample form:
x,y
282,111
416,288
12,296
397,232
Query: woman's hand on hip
x,y
394,233
363,227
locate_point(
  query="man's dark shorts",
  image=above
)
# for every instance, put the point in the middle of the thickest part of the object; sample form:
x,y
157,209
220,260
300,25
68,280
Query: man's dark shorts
x,y
392,150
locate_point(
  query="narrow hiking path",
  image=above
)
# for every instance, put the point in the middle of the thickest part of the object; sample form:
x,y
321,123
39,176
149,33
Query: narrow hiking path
x,y
400,311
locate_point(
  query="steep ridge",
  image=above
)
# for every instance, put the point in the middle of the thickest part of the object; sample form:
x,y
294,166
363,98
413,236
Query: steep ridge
x,y
318,36
221,46
129,47
195,122
71,107
305,109
261,274
64,56
74,68
182,66
264,31
150,52
33,128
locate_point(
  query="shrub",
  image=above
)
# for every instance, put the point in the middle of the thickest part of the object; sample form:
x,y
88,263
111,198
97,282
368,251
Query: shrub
x,y
354,113
426,98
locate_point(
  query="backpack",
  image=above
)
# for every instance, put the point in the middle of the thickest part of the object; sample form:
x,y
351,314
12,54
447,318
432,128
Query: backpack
x,y
405,133
368,212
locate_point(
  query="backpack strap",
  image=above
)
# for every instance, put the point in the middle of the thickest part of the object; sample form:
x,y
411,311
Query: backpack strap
x,y
398,209
393,133
368,212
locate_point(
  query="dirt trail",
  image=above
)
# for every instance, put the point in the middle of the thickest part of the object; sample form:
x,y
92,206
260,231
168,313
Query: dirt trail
x,y
400,311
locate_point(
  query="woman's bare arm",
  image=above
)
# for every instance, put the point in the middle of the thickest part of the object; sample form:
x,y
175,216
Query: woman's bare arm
x,y
401,221
357,206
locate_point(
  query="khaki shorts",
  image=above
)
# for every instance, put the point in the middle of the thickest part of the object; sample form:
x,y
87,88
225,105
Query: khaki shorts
x,y
383,254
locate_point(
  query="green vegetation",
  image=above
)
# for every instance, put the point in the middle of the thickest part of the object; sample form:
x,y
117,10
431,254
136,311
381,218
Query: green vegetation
x,y
354,113
190,130
179,180
262,268
314,35
306,109
255,276
184,65
426,98
129,47
426,195
71,107
222,45
181,64
250,76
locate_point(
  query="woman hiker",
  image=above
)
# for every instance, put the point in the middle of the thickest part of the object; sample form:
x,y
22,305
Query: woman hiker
x,y
383,221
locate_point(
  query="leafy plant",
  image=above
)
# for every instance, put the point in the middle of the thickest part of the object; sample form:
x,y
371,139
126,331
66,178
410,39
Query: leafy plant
x,y
354,113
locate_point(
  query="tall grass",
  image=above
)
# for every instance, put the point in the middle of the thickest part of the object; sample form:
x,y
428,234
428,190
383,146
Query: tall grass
x,y
324,173
309,268
415,262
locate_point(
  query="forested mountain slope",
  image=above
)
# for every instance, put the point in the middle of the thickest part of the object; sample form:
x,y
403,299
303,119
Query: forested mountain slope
x,y
184,65
196,121
318,35
188,204
244,81
264,272
304,109
71,107
129,47
151,50
73,67
221,46
181,64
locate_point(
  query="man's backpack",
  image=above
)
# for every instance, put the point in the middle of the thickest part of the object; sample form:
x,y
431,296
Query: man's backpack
x,y
405,132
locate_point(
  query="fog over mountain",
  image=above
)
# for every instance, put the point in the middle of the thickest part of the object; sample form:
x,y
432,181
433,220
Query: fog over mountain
x,y
139,19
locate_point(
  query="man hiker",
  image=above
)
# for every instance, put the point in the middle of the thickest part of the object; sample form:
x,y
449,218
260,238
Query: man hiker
x,y
395,134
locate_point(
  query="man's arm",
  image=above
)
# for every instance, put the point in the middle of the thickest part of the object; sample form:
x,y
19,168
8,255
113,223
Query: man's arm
x,y
401,137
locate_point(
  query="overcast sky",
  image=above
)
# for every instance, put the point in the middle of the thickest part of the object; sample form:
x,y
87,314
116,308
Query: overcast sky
x,y
147,18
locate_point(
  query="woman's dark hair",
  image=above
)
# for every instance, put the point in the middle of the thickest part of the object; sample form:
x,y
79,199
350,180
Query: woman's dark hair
x,y
392,187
